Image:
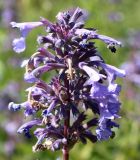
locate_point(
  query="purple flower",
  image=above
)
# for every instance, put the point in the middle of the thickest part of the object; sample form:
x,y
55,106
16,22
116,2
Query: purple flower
x,y
83,82
27,126
92,34
112,72
29,110
26,27
97,87
33,76
94,76
19,43
104,130
108,40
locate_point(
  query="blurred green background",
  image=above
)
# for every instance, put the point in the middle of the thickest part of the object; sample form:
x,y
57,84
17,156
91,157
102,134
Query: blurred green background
x,y
116,18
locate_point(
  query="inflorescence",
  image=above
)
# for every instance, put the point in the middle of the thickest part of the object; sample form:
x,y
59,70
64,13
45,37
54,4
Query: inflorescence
x,y
83,83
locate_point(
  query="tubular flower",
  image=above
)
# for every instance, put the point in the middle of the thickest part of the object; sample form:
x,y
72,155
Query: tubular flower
x,y
83,82
25,28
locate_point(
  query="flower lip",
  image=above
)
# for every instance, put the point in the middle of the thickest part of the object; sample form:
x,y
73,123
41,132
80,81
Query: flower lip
x,y
14,107
19,44
103,134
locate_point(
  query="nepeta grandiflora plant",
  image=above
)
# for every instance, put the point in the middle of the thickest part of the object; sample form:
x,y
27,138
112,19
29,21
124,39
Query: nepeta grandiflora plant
x,y
83,83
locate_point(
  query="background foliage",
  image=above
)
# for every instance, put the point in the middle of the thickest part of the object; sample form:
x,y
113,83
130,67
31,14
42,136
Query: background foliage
x,y
116,18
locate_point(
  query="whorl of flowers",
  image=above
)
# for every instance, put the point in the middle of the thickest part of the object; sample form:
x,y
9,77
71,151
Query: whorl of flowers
x,y
83,83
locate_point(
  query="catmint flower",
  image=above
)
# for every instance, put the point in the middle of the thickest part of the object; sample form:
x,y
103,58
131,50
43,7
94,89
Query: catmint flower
x,y
83,81
19,43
